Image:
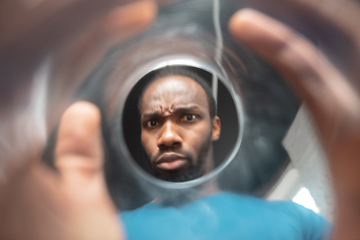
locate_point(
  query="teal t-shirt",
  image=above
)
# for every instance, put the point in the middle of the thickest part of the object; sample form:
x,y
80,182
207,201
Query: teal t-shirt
x,y
225,216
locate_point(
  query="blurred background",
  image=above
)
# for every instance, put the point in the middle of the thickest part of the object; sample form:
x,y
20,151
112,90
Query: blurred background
x,y
279,157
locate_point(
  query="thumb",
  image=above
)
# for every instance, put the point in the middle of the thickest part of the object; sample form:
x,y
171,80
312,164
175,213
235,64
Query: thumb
x,y
331,99
79,160
79,152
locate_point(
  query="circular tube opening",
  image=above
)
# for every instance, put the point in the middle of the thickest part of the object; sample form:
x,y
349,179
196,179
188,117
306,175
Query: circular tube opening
x,y
127,120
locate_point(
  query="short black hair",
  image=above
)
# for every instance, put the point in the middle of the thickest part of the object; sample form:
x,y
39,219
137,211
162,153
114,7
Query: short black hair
x,y
185,72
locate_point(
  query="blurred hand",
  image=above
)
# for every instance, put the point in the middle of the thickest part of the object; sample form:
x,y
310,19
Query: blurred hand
x,y
70,204
333,102
73,203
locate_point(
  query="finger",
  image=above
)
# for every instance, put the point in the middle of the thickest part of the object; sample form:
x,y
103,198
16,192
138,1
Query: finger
x,y
330,98
124,22
119,24
313,79
44,28
79,159
79,59
333,103
78,150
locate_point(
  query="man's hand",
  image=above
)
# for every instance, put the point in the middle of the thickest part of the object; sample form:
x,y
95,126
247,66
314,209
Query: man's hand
x,y
333,102
72,203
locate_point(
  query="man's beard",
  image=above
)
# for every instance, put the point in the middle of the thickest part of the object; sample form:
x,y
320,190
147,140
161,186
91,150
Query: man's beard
x,y
193,172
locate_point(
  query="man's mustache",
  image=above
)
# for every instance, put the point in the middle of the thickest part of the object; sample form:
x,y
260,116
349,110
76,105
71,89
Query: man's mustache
x,y
187,155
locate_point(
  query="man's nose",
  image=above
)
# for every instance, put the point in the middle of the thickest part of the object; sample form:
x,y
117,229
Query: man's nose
x,y
169,137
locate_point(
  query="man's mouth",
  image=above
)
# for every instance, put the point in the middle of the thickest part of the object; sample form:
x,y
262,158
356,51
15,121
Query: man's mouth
x,y
171,161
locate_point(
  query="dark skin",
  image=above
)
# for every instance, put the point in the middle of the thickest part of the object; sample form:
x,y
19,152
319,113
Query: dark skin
x,y
74,203
176,127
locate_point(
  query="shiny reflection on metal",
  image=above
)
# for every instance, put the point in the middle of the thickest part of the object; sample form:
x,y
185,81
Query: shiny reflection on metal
x,y
175,61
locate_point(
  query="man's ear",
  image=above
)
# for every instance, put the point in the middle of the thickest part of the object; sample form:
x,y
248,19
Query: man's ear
x,y
216,128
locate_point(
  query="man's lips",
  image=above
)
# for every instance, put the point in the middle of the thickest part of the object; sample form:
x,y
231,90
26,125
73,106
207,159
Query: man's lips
x,y
171,161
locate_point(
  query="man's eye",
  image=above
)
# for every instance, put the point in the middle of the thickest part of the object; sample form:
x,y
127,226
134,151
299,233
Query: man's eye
x,y
189,117
152,123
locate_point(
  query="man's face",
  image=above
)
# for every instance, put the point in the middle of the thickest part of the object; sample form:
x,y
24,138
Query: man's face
x,y
176,129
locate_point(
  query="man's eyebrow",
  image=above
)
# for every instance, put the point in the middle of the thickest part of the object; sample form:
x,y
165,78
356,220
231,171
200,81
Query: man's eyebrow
x,y
151,115
186,108
176,109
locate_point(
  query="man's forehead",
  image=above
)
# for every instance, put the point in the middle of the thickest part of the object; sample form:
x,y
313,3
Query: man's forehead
x,y
173,85
173,90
